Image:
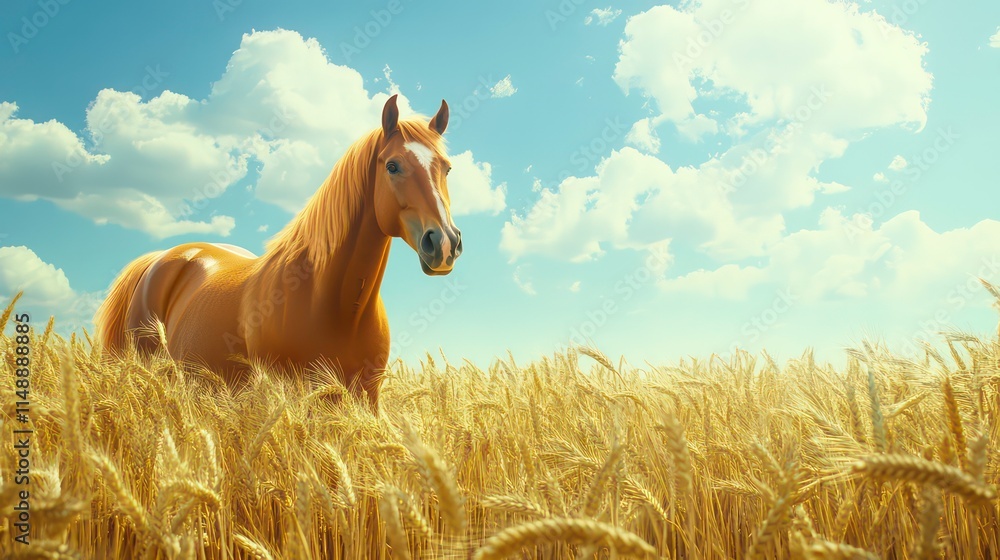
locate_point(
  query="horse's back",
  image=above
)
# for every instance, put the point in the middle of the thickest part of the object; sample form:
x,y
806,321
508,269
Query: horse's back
x,y
195,290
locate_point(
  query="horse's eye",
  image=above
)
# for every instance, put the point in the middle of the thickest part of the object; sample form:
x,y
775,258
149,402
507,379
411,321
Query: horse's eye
x,y
392,167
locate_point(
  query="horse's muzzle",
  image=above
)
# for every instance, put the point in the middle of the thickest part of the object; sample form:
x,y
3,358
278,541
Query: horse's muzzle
x,y
438,248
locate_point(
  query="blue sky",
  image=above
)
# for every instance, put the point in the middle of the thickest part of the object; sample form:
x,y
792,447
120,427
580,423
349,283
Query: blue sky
x,y
663,180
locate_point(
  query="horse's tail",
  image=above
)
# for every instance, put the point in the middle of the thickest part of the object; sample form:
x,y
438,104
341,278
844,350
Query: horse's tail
x,y
109,321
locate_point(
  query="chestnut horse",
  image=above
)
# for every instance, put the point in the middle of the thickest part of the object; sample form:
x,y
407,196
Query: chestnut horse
x,y
313,296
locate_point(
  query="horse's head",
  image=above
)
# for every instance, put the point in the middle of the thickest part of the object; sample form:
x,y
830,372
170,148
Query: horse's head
x,y
411,188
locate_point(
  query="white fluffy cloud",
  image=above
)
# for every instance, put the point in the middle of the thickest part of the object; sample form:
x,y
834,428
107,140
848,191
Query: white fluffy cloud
x,y
731,206
898,163
503,88
602,16
995,39
21,269
843,73
634,201
902,260
785,118
145,164
643,136
46,289
727,282
470,187
148,165
523,282
796,49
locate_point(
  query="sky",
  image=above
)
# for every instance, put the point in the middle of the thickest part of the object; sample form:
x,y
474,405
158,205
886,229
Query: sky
x,y
656,180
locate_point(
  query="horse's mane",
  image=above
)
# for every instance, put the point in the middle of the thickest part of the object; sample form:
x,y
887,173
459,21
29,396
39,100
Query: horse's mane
x,y
323,225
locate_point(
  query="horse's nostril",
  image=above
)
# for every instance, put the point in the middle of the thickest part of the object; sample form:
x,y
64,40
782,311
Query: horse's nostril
x,y
458,247
428,242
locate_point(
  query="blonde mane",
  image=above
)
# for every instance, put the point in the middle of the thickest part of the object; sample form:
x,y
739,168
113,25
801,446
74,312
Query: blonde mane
x,y
323,225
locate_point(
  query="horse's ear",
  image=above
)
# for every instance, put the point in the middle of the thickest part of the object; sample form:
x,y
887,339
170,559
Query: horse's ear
x,y
390,116
440,120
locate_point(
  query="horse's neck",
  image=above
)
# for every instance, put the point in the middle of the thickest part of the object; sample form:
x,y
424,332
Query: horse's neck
x,y
347,285
338,292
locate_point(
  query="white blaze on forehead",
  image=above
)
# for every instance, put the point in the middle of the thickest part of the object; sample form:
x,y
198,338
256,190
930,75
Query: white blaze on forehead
x,y
425,156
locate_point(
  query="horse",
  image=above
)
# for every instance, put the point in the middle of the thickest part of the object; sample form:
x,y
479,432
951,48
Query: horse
x,y
312,297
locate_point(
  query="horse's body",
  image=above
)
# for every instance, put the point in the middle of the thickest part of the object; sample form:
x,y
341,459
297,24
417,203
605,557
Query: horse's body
x,y
313,296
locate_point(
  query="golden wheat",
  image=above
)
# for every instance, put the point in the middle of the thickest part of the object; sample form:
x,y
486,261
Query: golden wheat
x,y
569,530
138,457
922,471
514,504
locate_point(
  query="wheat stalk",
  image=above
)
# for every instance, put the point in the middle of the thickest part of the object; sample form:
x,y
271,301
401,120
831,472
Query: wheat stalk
x,y
955,423
514,504
930,522
8,310
922,471
112,480
437,476
389,510
561,529
254,548
826,550
777,515
592,500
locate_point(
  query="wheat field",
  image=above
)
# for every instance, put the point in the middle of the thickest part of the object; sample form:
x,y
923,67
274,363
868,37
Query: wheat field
x,y
573,456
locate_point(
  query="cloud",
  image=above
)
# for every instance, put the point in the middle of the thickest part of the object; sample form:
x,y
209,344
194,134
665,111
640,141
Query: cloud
x,y
21,269
503,88
470,187
46,289
575,287
731,206
785,121
995,39
880,177
668,53
524,284
157,165
848,258
145,162
643,136
602,16
727,282
737,215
